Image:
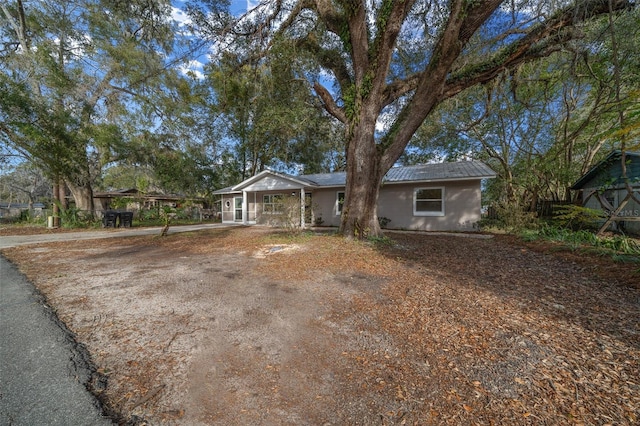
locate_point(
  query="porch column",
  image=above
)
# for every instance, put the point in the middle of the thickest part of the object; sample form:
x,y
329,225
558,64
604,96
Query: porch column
x,y
244,207
302,207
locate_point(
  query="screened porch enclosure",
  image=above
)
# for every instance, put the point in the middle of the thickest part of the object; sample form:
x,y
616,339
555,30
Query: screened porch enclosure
x,y
275,207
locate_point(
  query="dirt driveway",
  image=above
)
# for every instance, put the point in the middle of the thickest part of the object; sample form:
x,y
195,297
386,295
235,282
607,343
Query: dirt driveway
x,y
250,326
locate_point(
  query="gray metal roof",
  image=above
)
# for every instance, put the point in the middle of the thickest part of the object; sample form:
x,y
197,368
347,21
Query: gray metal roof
x,y
422,172
440,171
419,173
326,179
226,190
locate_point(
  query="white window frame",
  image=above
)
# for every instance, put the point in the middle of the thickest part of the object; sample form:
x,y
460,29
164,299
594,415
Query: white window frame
x,y
338,204
274,207
428,213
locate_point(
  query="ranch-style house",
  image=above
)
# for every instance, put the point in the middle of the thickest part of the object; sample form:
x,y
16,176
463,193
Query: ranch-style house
x,y
428,197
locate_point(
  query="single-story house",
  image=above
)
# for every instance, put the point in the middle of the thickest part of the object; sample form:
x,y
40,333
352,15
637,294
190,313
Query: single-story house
x,y
603,188
429,197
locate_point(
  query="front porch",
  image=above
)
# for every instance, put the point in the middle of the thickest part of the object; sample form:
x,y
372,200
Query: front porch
x,y
269,198
292,208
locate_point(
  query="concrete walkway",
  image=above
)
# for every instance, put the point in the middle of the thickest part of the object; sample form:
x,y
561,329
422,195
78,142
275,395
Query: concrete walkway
x,y
43,371
19,240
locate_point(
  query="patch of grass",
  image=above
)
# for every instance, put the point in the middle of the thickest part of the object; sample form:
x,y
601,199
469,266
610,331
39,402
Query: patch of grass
x,y
530,235
594,251
288,237
625,258
381,242
160,222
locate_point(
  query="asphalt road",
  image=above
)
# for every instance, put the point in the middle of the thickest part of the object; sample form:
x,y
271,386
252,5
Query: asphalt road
x,y
43,371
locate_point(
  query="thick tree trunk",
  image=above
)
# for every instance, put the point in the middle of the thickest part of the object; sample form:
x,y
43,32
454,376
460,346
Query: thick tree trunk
x,y
364,177
56,202
62,195
83,196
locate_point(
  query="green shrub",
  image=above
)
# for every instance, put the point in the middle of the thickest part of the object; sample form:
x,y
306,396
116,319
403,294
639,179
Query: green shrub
x,y
72,217
149,215
583,239
383,221
513,218
578,217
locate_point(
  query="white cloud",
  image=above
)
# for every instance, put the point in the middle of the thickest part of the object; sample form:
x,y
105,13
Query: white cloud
x,y
76,46
180,17
193,68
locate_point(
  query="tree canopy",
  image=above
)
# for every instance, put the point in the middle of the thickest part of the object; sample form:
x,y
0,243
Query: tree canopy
x,y
546,123
76,76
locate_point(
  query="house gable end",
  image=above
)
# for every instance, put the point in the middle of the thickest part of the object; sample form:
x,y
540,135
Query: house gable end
x,y
272,181
607,174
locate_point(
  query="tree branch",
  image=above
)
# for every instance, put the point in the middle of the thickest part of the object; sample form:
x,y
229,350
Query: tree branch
x,y
330,59
328,15
435,83
542,40
329,104
464,20
388,26
358,43
19,28
399,88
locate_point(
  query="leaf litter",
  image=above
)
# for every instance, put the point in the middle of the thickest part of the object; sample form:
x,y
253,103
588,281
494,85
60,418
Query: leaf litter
x,y
258,326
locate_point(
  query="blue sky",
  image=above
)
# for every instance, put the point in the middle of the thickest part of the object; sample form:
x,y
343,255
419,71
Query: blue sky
x,y
237,7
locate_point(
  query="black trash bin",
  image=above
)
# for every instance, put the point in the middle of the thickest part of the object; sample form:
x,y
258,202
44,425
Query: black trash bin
x,y
126,219
110,219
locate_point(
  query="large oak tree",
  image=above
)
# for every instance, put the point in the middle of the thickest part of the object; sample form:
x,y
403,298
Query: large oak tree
x,y
384,66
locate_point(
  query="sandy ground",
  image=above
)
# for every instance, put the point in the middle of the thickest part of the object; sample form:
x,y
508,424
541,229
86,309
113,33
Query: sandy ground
x,y
251,326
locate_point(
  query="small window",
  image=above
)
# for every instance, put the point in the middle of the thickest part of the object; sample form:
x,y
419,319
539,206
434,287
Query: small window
x,y
272,203
428,202
339,202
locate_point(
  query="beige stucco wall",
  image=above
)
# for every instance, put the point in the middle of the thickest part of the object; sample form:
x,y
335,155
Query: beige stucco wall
x,y
461,209
324,206
462,206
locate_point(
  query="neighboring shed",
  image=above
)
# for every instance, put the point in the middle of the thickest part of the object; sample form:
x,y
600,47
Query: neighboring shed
x,y
604,188
136,200
15,210
430,197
